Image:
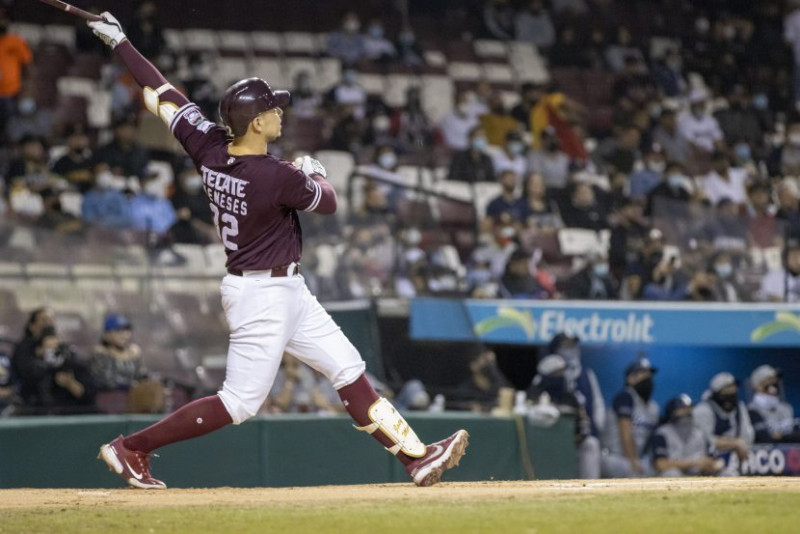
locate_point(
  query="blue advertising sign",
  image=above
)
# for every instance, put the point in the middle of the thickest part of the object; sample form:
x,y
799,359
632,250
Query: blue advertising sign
x,y
628,323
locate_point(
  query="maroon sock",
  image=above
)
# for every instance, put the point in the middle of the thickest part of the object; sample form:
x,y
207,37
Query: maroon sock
x,y
195,419
357,398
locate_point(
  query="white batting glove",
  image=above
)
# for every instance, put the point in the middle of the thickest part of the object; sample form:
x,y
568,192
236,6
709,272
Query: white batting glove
x,y
310,166
109,30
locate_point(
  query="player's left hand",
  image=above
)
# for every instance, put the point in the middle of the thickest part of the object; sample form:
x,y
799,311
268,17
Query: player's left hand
x,y
310,166
109,30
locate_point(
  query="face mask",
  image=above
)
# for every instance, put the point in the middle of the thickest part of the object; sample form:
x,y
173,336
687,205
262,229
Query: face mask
x,y
724,270
480,144
516,148
407,38
463,108
571,355
555,386
772,389
27,106
698,111
381,123
553,146
743,152
600,269
794,139
387,160
192,184
729,32
657,166
644,388
702,25
105,180
761,102
675,181
349,76
684,425
153,188
726,402
352,26
376,31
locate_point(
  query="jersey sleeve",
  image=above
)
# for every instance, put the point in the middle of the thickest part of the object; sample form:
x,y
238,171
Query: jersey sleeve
x,y
297,190
660,449
623,405
195,132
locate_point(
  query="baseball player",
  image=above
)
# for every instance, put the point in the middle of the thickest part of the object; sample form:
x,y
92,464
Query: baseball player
x,y
679,447
254,198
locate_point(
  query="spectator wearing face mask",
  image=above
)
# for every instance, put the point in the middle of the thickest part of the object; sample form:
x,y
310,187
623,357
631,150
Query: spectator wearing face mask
x,y
377,47
473,164
783,285
124,151
723,417
790,152
592,282
511,157
305,101
77,165
628,430
668,136
408,49
29,119
384,168
195,224
680,448
105,204
551,162
698,126
347,44
457,125
673,193
150,210
644,180
379,132
727,286
349,93
30,169
535,208
533,24
725,181
414,129
550,380
772,417
55,218
668,74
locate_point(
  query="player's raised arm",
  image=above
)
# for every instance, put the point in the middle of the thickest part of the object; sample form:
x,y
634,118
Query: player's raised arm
x,y
160,97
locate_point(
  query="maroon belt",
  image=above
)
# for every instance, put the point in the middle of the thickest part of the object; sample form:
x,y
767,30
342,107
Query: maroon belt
x,y
276,272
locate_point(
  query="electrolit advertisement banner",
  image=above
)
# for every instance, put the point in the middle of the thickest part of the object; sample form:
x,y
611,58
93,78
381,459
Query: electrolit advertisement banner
x,y
642,324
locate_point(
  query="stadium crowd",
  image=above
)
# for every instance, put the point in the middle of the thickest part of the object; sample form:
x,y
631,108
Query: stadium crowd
x,y
680,156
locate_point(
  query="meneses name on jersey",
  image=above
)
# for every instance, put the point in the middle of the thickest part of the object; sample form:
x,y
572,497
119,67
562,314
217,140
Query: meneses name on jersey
x,y
225,191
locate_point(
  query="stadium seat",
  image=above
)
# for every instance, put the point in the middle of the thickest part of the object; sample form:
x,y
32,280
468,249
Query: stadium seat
x,y
461,71
234,43
416,176
32,33
271,70
773,259
71,202
197,40
339,165
215,259
498,73
295,65
329,72
437,96
396,87
455,189
175,41
435,58
487,49
230,70
87,66
266,43
59,34
579,241
373,84
195,256
300,43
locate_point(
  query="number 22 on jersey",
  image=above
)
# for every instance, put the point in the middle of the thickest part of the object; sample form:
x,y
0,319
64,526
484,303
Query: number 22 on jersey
x,y
227,227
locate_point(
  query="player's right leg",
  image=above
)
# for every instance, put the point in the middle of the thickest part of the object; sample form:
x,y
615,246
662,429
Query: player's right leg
x,y
320,343
260,315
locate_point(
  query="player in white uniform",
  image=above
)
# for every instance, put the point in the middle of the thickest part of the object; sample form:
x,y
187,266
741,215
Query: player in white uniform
x,y
255,197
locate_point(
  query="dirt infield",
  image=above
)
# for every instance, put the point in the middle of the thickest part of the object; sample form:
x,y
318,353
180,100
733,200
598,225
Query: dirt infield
x,y
333,495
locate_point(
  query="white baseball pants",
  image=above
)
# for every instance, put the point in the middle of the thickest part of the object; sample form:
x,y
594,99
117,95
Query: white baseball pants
x,y
268,316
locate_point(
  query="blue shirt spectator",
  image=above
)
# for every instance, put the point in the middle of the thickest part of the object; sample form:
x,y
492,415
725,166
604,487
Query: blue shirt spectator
x,y
150,211
105,205
347,44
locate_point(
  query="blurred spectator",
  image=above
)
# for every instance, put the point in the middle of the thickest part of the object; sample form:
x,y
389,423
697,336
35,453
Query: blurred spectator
x,y
581,380
551,162
702,287
530,94
498,19
674,187
666,281
201,90
346,43
569,52
195,221
592,282
727,288
668,137
511,156
300,389
377,47
55,218
15,58
54,381
644,180
791,33
105,204
150,210
31,167
668,74
762,224
498,123
146,31
624,53
349,94
788,200
117,361
698,126
725,418
76,166
558,113
472,164
124,151
783,285
533,24
739,122
24,351
305,100
772,417
620,153
629,230
408,49
550,381
8,386
535,209
570,8
458,124
627,434
522,279
680,448
725,181
726,230
29,120
790,151
505,206
379,131
583,210
633,83
414,129
484,382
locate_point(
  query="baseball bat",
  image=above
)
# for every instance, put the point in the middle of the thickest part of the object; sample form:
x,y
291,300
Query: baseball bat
x,y
67,8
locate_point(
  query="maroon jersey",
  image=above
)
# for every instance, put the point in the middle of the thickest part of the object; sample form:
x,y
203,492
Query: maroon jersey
x,y
253,198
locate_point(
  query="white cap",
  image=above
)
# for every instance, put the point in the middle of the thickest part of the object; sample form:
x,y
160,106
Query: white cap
x,y
698,95
551,364
762,373
721,381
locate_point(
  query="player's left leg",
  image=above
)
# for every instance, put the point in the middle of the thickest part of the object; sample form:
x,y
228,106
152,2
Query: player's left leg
x,y
319,342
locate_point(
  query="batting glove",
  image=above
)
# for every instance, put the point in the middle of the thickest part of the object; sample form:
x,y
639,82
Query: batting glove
x,y
310,166
109,30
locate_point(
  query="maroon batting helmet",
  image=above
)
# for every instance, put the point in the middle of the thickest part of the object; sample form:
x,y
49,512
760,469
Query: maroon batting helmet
x,y
245,100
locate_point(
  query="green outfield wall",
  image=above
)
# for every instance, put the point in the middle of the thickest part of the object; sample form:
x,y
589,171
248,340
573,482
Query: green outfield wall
x,y
301,450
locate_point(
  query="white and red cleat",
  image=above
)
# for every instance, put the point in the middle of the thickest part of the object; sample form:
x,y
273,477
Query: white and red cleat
x,y
440,457
133,466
